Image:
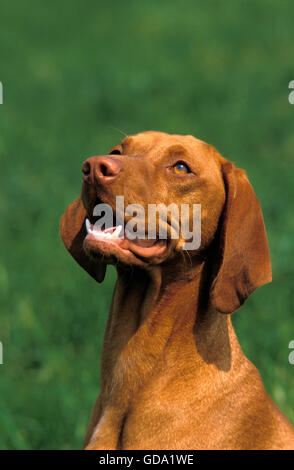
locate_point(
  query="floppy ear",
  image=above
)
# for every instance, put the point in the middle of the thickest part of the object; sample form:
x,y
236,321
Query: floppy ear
x,y
243,259
73,232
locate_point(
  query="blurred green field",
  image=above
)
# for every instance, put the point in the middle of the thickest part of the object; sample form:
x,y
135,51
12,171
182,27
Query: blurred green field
x,y
75,72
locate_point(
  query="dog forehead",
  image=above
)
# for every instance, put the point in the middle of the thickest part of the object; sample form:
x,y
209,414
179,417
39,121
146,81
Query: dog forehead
x,y
147,141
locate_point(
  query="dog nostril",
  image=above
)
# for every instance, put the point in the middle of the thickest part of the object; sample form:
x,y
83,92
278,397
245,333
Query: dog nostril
x,y
105,170
86,168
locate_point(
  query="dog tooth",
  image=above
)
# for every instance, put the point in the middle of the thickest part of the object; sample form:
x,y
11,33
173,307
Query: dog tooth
x,y
117,231
97,228
88,226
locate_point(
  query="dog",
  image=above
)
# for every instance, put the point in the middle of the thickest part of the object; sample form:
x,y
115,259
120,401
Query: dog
x,y
173,375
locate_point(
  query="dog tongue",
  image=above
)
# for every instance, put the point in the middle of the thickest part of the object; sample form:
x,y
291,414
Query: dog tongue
x,y
143,247
143,242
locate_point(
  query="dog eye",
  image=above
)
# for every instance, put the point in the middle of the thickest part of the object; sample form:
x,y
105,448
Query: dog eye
x,y
180,168
115,151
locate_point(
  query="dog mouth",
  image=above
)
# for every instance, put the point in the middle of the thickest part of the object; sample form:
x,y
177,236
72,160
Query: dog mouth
x,y
118,242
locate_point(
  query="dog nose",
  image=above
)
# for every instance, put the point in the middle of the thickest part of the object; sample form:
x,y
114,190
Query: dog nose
x,y
101,169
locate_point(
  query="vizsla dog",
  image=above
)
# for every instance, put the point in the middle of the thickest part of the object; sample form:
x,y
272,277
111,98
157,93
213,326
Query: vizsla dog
x,y
173,375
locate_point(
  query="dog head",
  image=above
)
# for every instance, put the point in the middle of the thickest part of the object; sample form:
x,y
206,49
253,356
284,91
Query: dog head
x,y
143,185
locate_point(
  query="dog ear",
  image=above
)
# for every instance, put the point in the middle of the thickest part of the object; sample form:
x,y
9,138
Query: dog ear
x,y
73,232
243,259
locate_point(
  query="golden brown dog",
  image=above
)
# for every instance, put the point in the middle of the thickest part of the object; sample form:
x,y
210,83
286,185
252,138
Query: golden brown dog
x,y
173,375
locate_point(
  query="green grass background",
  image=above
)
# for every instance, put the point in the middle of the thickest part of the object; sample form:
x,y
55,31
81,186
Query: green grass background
x,y
72,72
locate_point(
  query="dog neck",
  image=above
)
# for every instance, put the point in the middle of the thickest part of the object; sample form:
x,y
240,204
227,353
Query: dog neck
x,y
152,313
157,319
